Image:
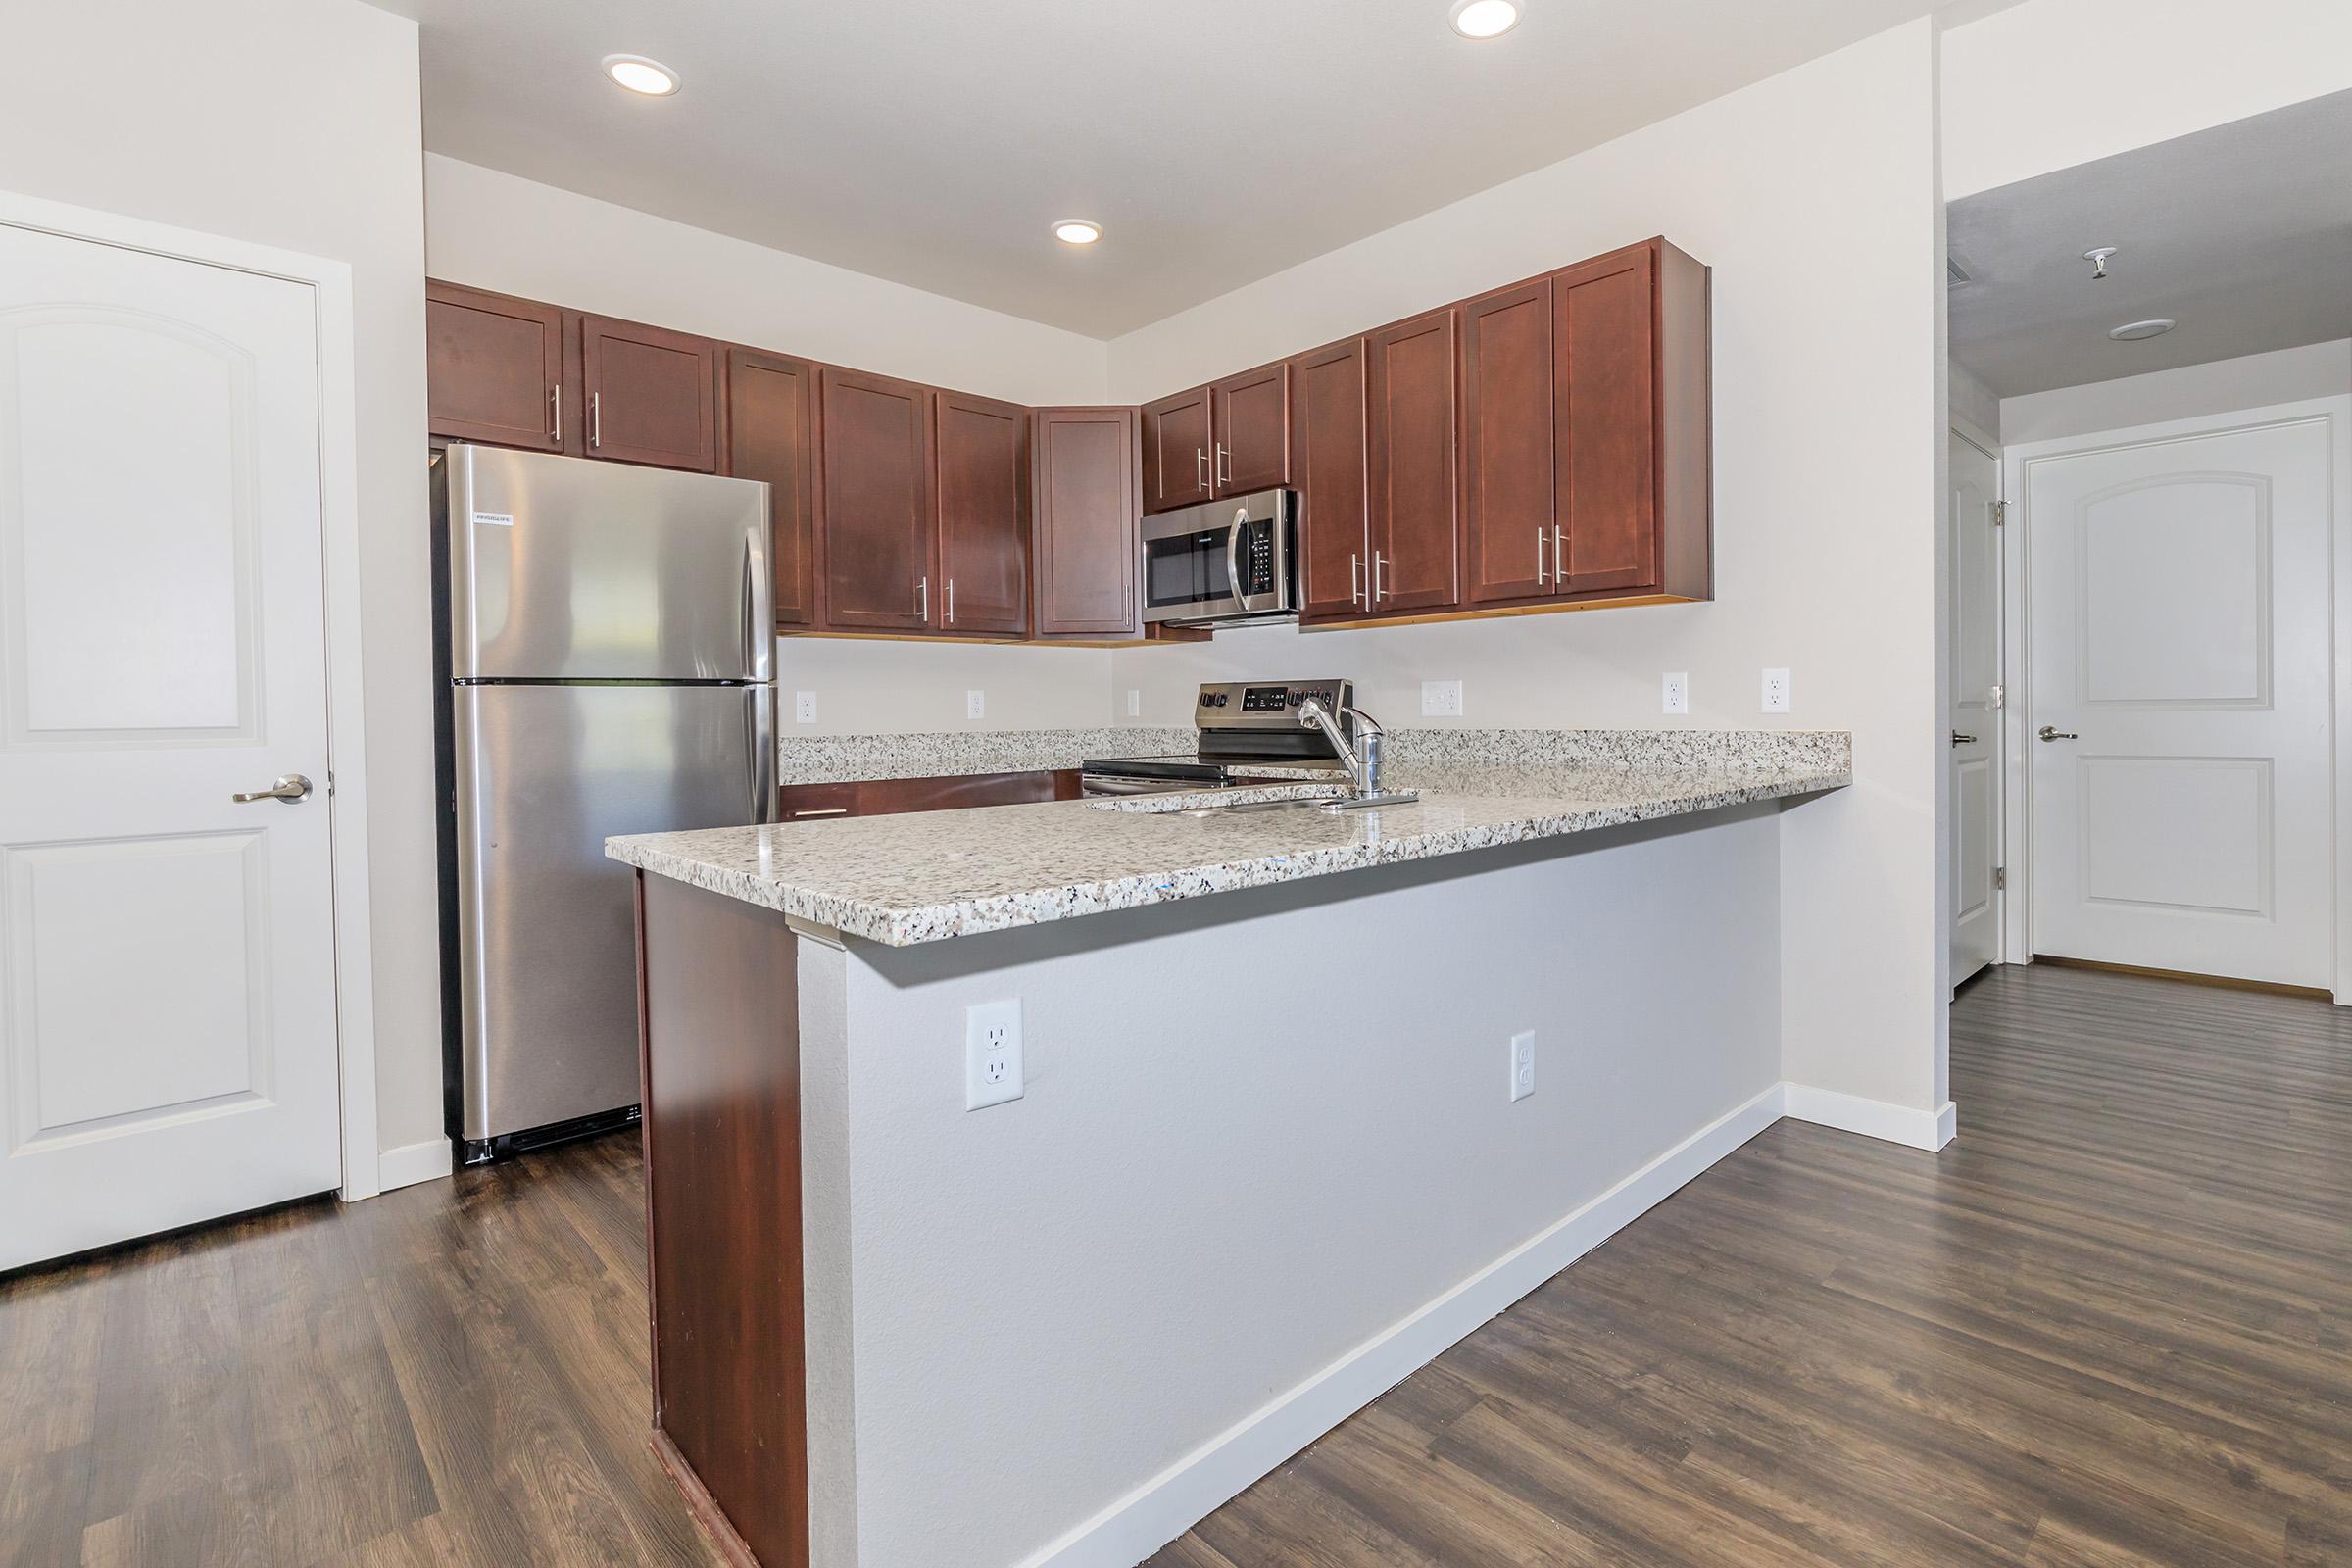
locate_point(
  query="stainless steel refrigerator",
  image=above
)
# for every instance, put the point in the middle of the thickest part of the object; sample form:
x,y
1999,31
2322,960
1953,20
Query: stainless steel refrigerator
x,y
607,665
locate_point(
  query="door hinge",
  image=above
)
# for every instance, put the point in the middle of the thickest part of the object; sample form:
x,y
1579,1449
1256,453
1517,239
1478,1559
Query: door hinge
x,y
2000,879
2000,512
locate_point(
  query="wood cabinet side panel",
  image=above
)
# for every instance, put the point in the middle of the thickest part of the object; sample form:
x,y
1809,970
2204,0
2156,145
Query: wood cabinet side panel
x,y
721,1057
1685,426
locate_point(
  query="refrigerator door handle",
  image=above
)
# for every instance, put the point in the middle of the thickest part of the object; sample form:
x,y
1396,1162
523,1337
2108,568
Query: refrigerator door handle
x,y
764,753
759,617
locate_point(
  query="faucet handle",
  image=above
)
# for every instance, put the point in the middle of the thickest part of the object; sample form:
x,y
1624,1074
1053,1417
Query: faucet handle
x,y
1369,744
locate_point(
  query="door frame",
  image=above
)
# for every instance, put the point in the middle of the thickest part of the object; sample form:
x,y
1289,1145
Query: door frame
x,y
2002,812
346,793
2017,463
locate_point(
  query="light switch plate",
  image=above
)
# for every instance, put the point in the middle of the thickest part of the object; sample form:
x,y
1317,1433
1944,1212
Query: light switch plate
x,y
803,708
975,704
1675,696
1775,691
992,1054
1441,699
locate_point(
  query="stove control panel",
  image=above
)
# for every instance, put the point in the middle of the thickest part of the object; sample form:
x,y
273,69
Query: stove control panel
x,y
1267,704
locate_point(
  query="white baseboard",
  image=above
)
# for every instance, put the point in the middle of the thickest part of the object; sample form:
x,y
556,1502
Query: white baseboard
x,y
411,1164
1172,1502
1873,1118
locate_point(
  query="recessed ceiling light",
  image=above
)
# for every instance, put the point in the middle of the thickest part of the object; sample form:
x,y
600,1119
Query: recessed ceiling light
x,y
1485,19
1077,232
639,74
2134,332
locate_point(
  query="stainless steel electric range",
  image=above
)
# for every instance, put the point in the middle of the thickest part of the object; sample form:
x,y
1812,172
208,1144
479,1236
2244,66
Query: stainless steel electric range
x,y
1245,727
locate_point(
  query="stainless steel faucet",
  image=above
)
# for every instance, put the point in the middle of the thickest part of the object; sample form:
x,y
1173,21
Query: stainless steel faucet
x,y
1363,759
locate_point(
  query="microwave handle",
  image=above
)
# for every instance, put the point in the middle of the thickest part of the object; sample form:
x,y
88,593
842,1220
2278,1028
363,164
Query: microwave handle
x,y
1233,556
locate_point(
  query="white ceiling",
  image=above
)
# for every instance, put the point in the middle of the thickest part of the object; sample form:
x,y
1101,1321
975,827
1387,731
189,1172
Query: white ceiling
x,y
2241,233
932,141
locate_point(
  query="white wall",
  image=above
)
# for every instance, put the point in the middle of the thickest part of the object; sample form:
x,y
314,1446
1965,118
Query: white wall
x,y
495,230
1813,197
128,113
2052,83
2191,391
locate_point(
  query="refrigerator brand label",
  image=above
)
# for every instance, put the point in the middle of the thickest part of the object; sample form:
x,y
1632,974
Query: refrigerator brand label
x,y
494,519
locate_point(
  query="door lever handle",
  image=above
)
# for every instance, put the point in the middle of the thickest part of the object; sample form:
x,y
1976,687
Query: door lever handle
x,y
2051,732
1959,739
289,788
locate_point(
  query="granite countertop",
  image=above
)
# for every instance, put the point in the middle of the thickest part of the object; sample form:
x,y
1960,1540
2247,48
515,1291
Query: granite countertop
x,y
957,754
926,876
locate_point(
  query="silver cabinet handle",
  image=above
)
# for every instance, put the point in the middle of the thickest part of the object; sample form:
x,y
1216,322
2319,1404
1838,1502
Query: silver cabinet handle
x,y
1378,561
922,598
596,418
555,398
1355,572
1559,558
1199,471
1224,467
951,601
289,788
821,811
2051,732
1541,581
1959,739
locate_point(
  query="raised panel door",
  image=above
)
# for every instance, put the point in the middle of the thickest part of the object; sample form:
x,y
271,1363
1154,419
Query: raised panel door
x,y
1412,429
772,436
1511,549
983,478
1176,450
1605,412
874,502
493,368
1328,453
1085,540
652,394
1251,422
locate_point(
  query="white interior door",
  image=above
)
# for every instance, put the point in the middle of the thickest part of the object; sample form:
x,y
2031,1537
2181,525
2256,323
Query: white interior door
x,y
167,1048
1976,663
2181,644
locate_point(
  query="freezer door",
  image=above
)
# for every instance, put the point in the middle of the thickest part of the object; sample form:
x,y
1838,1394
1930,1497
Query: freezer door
x,y
567,568
546,924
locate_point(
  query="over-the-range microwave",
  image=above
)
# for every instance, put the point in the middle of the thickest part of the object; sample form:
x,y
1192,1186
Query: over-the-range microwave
x,y
1224,562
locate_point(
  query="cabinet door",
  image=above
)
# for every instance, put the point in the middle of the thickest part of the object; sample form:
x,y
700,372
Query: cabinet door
x,y
1328,457
983,477
1176,454
1508,547
493,368
1086,542
874,502
1249,422
652,394
1410,431
1606,414
772,436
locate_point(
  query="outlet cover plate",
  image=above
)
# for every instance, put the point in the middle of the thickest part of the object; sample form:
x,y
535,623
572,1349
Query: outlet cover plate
x,y
803,708
1775,691
1441,699
992,1054
1674,695
1523,1063
975,704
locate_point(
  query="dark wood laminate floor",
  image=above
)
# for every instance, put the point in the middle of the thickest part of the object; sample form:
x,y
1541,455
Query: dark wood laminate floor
x,y
2111,1325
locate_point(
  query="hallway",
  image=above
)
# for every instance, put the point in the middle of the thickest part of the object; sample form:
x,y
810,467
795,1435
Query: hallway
x,y
2111,1324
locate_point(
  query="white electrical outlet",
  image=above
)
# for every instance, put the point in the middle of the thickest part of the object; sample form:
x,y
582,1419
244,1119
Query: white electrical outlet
x,y
975,704
1523,1063
1775,691
1135,701
1676,695
1441,699
992,1054
803,708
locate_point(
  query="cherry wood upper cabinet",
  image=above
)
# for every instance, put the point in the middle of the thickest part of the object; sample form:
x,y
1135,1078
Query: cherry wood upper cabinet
x,y
652,394
1085,543
493,368
1250,426
1410,441
1176,450
772,436
1605,344
983,504
1510,550
874,502
1327,455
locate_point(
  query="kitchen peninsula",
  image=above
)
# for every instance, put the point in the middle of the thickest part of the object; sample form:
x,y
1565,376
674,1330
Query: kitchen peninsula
x,y
1266,1145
